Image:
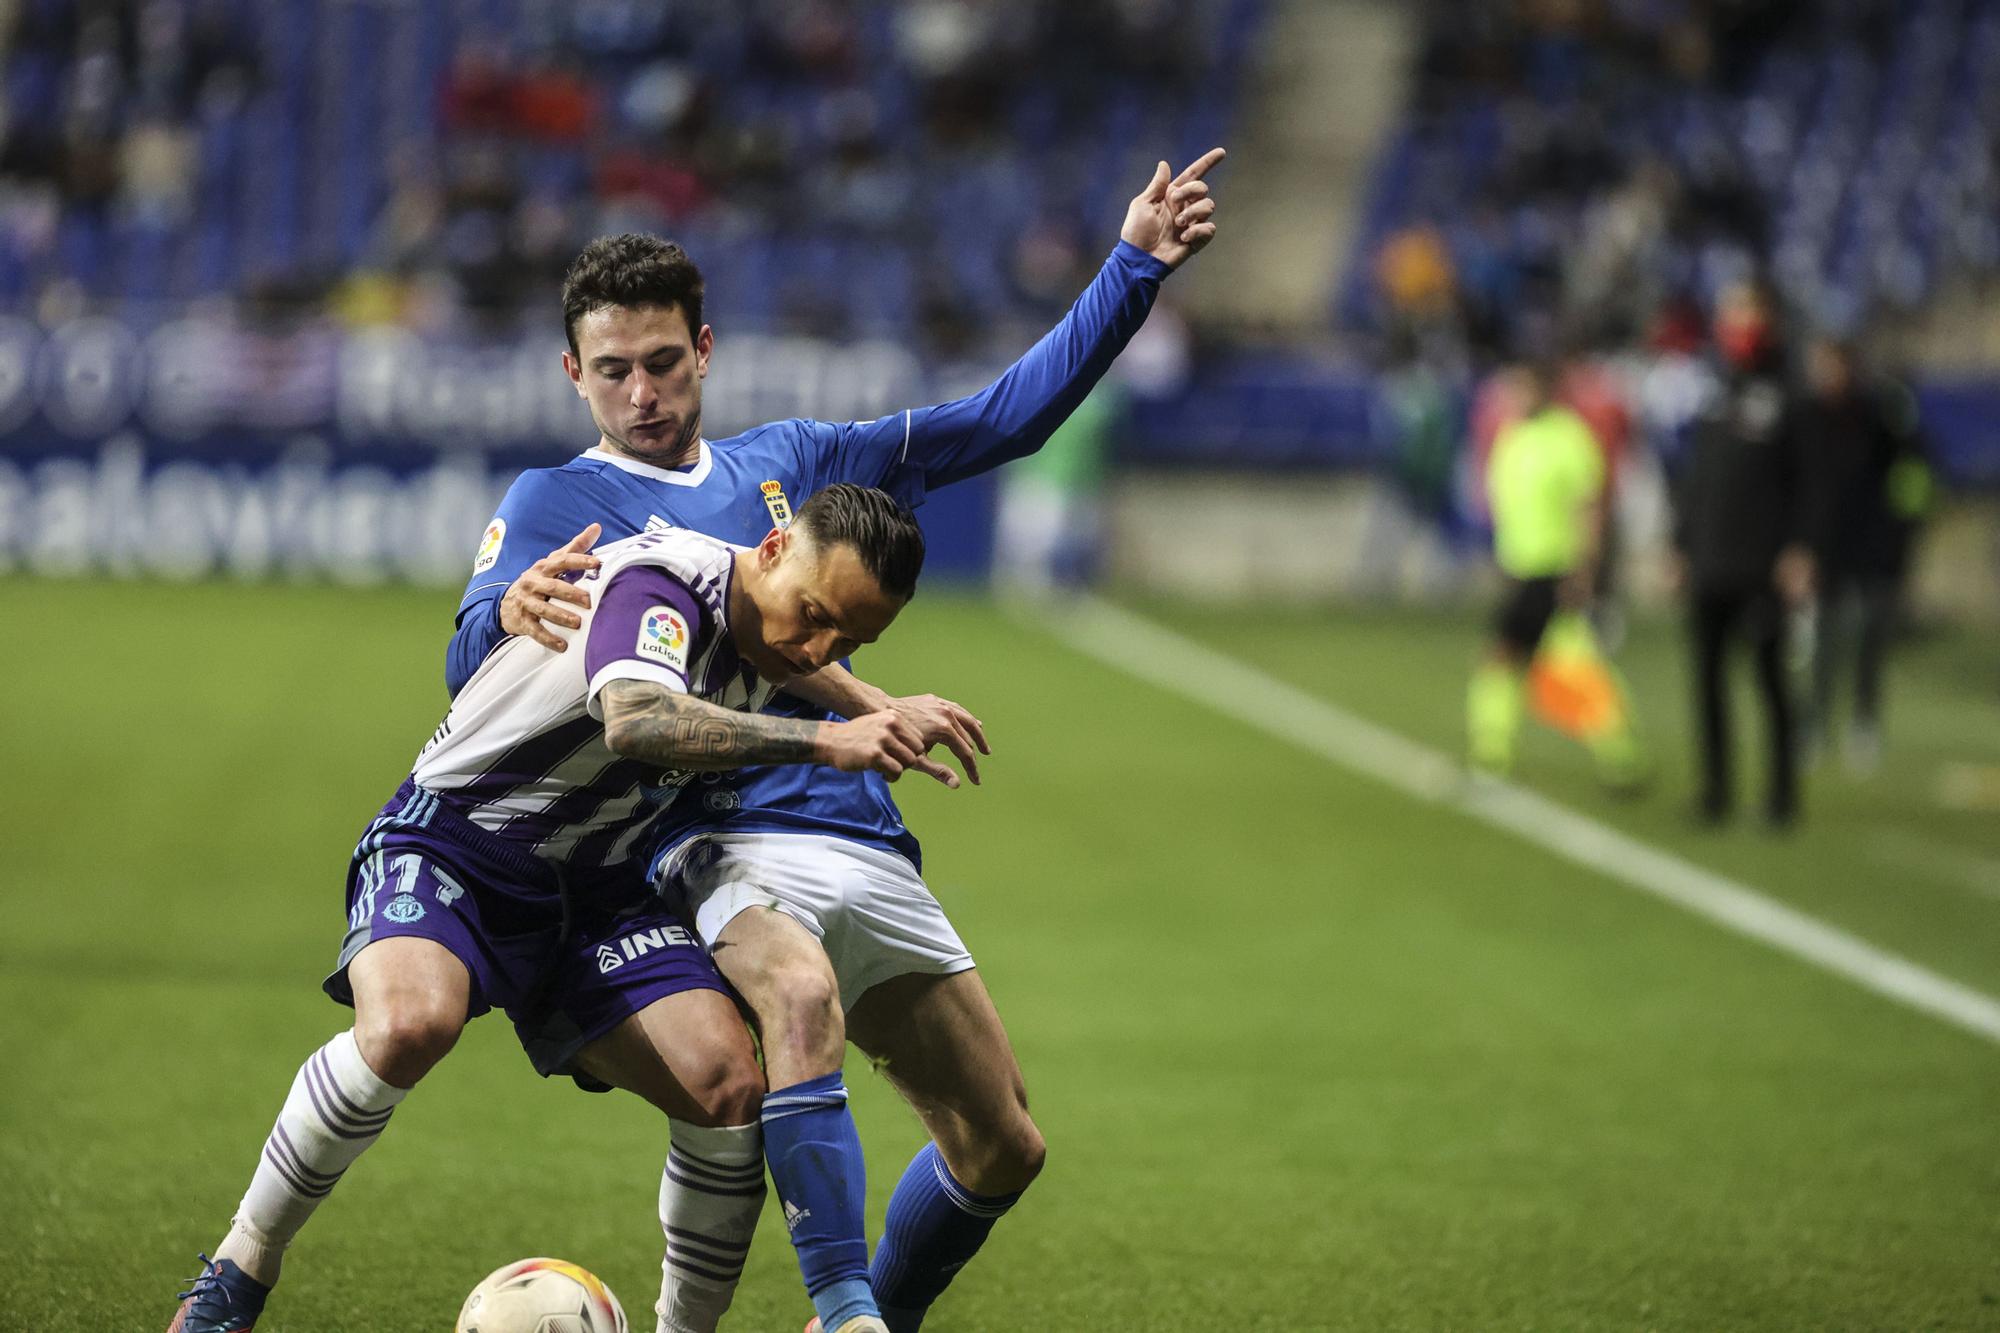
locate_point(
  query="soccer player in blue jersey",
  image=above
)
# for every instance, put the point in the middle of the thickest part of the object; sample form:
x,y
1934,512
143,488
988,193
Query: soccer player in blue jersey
x,y
804,883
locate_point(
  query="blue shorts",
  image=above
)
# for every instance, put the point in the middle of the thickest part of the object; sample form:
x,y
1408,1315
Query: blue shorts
x,y
423,871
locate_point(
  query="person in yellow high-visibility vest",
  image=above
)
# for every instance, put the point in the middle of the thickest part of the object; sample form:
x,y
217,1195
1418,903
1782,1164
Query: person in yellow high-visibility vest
x,y
1547,491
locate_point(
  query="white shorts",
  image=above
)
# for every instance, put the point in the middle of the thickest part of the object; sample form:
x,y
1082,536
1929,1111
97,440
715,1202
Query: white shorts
x,y
868,908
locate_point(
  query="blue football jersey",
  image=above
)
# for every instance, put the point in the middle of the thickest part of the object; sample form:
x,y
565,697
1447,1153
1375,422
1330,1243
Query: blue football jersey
x,y
722,494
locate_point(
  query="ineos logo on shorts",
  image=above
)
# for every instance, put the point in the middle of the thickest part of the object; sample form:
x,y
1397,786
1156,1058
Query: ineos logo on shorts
x,y
611,957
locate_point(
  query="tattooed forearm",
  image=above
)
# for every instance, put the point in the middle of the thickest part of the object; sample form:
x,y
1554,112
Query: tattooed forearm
x,y
648,722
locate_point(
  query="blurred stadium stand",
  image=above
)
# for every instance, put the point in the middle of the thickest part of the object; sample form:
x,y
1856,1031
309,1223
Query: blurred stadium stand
x,y
244,245
1611,167
1848,144
869,169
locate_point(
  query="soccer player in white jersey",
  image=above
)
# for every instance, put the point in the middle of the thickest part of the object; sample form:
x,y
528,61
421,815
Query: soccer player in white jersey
x,y
805,882
509,870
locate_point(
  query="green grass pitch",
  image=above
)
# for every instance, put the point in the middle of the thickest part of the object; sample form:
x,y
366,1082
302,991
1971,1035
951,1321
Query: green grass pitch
x,y
1308,1054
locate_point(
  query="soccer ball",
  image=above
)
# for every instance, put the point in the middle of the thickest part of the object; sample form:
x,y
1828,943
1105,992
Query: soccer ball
x,y
541,1296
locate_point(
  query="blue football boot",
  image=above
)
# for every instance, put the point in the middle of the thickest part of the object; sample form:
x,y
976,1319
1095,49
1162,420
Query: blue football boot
x,y
222,1299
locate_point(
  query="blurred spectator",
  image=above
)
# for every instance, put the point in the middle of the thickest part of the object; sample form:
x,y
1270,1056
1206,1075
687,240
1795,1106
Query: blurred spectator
x,y
1742,528
1416,275
1048,533
156,173
1418,431
1864,444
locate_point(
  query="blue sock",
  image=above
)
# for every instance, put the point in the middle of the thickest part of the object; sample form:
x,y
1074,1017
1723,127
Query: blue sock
x,y
815,1157
934,1226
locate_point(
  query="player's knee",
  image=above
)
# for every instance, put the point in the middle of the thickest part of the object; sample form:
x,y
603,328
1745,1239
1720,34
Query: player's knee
x,y
1018,1154
801,1010
995,1157
403,1042
726,1091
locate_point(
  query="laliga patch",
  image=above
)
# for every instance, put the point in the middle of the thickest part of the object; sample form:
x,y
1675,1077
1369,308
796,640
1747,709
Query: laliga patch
x,y
775,501
663,637
489,546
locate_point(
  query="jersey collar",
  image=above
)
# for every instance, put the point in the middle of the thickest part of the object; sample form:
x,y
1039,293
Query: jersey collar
x,y
693,476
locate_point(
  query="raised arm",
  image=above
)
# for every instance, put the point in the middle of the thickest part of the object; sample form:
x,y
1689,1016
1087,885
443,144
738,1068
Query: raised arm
x,y
910,452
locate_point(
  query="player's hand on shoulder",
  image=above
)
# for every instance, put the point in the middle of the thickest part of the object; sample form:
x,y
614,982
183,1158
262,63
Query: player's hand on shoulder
x,y
531,599
1174,216
883,741
942,722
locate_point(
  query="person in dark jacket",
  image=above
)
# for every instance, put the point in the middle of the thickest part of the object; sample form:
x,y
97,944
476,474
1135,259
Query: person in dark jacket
x,y
1742,521
1871,483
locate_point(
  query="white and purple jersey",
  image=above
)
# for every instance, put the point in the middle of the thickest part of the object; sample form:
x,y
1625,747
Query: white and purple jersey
x,y
522,753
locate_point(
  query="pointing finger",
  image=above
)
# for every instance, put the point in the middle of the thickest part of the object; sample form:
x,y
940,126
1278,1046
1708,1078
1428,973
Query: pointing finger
x,y
1202,165
584,540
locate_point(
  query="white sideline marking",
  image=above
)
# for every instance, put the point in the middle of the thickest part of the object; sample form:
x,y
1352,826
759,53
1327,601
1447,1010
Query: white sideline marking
x,y
1149,651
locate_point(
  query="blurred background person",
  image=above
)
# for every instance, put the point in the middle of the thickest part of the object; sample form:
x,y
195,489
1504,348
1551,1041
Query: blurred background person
x,y
1742,529
1049,521
1546,485
1048,528
1870,486
1414,517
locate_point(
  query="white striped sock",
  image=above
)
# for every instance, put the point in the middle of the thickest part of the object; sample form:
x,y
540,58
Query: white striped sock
x,y
337,1107
711,1191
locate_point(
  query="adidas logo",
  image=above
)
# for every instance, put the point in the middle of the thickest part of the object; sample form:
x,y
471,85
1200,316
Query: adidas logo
x,y
608,959
795,1215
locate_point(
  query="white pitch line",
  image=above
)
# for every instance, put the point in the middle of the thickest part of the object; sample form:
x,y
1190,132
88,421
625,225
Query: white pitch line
x,y
1157,655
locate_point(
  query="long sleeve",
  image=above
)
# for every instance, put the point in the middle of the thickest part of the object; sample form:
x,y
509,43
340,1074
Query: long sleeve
x,y
911,452
478,634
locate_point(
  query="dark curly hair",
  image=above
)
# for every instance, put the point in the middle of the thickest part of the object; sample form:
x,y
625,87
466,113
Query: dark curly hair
x,y
882,531
633,270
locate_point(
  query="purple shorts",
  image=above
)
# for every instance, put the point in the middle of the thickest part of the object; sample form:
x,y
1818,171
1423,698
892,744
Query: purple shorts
x,y
425,872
